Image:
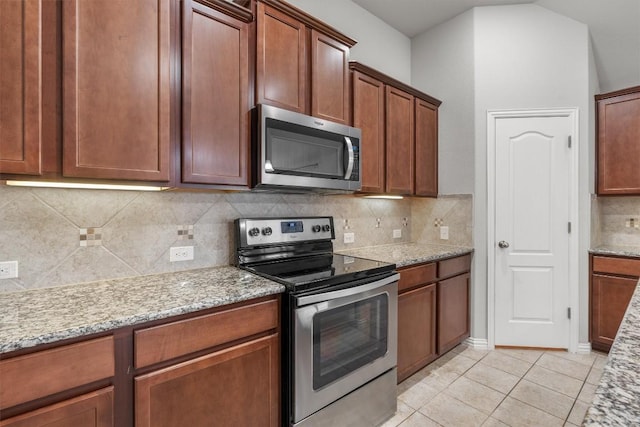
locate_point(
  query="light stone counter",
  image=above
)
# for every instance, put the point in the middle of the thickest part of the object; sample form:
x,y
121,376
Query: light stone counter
x,y
30,318
617,398
632,251
405,254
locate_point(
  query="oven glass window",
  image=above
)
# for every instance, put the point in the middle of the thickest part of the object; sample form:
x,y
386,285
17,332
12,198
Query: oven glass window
x,y
349,337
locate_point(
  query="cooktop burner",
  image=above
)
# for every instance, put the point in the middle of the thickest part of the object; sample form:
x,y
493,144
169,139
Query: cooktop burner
x,y
297,252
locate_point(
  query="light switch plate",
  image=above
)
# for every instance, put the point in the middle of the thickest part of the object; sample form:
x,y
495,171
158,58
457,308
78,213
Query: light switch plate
x,y
397,233
349,237
444,232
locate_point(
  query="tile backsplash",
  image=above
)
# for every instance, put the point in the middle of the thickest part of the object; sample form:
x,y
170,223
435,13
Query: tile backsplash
x,y
615,221
63,236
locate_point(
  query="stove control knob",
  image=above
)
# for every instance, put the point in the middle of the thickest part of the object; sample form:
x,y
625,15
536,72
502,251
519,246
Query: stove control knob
x,y
315,228
267,231
326,228
254,232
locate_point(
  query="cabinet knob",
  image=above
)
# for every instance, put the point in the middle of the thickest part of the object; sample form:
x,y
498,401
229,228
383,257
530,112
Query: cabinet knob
x,y
503,244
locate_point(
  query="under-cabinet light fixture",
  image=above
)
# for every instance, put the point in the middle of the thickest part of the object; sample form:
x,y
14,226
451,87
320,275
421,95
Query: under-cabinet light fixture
x,y
384,196
81,185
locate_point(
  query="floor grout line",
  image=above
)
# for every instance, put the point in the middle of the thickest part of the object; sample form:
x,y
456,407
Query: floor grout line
x,y
490,415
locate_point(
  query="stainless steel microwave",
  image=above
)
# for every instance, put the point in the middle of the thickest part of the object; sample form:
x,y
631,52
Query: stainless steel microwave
x,y
293,151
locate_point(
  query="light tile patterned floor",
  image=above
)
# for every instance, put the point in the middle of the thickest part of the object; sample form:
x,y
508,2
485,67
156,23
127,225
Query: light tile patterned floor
x,y
504,387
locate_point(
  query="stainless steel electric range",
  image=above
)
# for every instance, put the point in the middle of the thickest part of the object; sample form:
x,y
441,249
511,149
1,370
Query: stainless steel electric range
x,y
339,322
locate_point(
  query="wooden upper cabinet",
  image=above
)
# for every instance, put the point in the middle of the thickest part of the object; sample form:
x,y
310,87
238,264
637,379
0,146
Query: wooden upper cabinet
x,y
399,141
426,162
329,78
618,143
216,101
281,77
116,117
368,115
302,63
20,86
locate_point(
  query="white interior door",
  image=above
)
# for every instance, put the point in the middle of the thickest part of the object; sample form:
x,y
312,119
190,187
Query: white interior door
x,y
531,241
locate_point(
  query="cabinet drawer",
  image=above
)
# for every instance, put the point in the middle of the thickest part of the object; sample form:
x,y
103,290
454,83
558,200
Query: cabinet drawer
x,y
622,266
451,267
414,276
40,374
164,342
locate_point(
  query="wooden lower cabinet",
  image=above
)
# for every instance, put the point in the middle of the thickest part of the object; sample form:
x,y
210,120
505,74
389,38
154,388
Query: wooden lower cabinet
x,y
610,297
613,282
433,311
453,312
416,330
89,410
237,386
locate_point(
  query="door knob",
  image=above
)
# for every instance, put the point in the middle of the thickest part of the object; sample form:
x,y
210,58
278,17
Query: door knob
x,y
503,244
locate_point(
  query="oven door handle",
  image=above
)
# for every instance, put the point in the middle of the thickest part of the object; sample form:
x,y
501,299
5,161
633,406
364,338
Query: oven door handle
x,y
332,295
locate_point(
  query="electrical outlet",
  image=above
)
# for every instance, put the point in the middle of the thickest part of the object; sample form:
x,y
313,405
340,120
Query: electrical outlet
x,y
444,232
349,237
8,269
181,253
397,233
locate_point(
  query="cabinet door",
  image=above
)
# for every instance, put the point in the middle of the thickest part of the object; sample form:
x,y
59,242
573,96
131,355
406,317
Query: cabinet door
x,y
453,312
238,386
610,297
618,144
20,87
116,89
89,410
329,78
281,69
426,149
416,330
399,141
368,115
215,97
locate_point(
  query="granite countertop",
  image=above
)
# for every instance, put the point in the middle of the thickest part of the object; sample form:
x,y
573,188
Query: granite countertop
x,y
42,316
632,251
404,254
617,398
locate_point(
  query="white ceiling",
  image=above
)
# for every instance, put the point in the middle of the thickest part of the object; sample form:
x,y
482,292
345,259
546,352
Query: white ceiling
x,y
614,26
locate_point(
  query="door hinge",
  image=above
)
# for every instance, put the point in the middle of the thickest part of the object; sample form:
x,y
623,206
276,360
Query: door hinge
x,y
569,141
568,312
569,227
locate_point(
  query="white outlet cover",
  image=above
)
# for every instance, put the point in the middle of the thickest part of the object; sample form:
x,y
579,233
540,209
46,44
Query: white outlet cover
x,y
8,269
181,253
397,233
349,237
444,232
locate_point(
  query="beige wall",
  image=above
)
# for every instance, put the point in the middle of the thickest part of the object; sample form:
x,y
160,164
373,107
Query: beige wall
x,y
71,236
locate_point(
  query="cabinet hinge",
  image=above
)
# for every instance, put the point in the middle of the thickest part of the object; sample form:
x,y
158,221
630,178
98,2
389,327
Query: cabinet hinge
x,y
569,227
568,312
569,141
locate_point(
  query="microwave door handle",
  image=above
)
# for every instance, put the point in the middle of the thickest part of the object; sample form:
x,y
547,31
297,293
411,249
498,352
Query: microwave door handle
x,y
347,140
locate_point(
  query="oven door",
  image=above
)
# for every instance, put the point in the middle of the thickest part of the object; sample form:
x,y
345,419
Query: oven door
x,y
342,340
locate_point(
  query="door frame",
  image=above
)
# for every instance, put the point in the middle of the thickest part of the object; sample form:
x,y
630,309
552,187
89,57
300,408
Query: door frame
x,y
574,301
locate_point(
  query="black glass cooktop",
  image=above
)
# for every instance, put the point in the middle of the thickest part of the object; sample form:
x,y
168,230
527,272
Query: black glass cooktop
x,y
320,270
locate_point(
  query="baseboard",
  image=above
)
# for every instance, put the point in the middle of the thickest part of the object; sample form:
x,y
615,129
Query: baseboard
x,y
584,348
477,343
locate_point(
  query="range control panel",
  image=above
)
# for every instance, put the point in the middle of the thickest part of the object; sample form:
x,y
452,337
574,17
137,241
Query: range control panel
x,y
266,231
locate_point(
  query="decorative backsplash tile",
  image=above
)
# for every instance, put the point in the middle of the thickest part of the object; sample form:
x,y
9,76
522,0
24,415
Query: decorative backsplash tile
x,y
616,221
91,236
61,236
